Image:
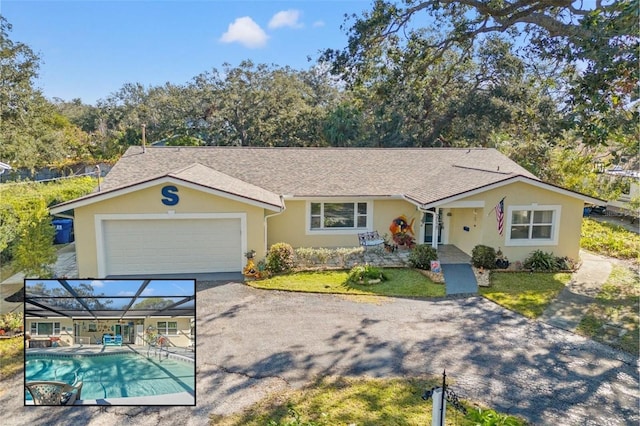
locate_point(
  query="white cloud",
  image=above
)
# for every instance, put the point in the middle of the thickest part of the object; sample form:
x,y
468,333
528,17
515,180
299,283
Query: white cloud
x,y
246,32
318,24
286,18
98,284
147,291
126,293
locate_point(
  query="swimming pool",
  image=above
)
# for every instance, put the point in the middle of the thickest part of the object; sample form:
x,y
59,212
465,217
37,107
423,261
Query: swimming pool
x,y
113,375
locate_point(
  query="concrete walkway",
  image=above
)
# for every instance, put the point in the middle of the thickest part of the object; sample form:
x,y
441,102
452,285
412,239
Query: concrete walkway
x,y
568,309
459,279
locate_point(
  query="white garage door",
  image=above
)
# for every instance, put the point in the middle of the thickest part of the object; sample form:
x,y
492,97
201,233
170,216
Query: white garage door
x,y
133,247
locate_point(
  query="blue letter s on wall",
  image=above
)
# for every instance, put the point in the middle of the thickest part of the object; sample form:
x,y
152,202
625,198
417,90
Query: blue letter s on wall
x,y
170,195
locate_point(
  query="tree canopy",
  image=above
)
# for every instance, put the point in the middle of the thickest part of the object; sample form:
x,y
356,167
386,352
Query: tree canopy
x,y
593,47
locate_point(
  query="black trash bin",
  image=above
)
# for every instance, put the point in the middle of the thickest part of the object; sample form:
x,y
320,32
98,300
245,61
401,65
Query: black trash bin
x,y
63,230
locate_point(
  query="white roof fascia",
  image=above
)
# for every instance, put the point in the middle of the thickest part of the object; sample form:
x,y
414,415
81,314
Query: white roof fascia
x,y
342,197
519,178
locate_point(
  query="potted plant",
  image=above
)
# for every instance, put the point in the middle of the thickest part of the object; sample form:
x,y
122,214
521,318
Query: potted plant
x,y
152,335
15,322
404,239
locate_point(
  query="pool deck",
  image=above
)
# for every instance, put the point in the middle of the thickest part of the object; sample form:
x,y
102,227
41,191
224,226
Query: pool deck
x,y
100,349
181,398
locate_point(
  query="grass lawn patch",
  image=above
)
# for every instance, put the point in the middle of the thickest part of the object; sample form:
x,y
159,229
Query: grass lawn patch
x,y
524,292
610,240
614,316
345,401
11,357
399,282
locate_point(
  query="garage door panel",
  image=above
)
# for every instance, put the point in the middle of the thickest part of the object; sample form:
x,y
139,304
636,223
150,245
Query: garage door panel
x,y
172,246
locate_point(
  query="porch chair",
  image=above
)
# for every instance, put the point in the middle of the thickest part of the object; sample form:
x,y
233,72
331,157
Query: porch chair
x,y
370,239
53,392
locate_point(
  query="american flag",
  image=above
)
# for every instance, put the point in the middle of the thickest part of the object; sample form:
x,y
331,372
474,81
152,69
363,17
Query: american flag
x,y
499,208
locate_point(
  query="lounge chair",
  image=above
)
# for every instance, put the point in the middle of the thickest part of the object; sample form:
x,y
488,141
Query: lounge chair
x,y
54,393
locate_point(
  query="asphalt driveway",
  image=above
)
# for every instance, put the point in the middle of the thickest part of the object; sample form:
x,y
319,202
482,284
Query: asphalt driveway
x,y
251,342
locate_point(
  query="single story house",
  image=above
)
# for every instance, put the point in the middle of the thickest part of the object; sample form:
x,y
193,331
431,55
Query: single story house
x,y
164,210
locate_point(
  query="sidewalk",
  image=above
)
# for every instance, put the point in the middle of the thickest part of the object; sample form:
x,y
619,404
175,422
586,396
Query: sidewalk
x,y
568,309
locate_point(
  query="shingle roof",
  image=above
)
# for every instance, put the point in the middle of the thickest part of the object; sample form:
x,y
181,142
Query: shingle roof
x,y
207,177
422,174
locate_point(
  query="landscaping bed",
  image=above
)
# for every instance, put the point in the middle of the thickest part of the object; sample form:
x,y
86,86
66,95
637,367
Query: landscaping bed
x,y
398,282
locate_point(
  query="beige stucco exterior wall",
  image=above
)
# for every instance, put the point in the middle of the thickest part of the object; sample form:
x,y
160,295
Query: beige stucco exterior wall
x,y
107,326
291,226
462,219
483,225
147,201
66,330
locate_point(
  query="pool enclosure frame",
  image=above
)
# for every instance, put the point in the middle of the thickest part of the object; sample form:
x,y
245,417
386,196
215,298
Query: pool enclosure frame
x,y
63,312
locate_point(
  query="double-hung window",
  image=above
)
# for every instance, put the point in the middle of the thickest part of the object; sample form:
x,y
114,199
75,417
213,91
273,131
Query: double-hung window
x,y
168,328
338,215
45,328
533,225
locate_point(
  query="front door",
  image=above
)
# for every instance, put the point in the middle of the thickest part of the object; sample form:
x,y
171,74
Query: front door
x,y
428,227
76,334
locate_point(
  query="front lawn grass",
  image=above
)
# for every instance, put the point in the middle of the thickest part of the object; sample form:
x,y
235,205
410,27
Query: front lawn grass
x,y
614,316
349,401
524,292
399,282
11,356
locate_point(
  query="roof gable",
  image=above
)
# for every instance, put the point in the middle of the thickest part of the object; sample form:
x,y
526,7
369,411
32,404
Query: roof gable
x,y
207,177
197,177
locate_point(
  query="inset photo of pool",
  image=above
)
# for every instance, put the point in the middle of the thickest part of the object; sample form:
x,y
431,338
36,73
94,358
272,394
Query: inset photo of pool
x,y
110,342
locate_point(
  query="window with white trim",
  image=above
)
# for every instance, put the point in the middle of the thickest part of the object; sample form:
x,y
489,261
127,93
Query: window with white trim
x,y
335,215
532,225
168,328
45,328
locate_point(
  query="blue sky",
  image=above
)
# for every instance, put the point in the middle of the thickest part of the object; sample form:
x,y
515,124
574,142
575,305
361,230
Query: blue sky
x,y
89,49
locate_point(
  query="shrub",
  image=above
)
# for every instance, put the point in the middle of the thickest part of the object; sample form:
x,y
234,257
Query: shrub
x,y
422,255
364,273
479,416
483,257
280,258
306,256
34,250
565,263
540,261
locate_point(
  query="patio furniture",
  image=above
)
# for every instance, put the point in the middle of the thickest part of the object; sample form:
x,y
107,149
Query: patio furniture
x,y
370,239
109,340
53,392
39,343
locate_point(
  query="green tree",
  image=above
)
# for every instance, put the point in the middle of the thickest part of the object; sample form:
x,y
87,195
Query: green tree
x,y
153,303
595,45
32,133
34,250
261,105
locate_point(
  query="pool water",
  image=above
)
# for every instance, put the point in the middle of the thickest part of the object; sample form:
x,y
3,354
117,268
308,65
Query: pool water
x,y
114,376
